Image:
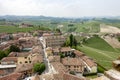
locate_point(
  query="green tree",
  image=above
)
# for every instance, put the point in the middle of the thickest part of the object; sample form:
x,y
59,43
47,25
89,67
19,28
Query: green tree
x,y
61,55
71,40
67,42
14,48
2,54
39,67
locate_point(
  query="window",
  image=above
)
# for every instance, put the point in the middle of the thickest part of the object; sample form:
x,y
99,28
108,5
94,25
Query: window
x,y
68,66
26,62
29,61
25,57
74,66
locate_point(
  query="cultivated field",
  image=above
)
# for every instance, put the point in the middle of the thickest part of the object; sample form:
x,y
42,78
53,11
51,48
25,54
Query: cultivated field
x,y
13,29
108,29
112,41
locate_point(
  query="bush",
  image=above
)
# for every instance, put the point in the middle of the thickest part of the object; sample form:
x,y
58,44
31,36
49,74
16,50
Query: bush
x,y
72,72
39,68
2,54
14,48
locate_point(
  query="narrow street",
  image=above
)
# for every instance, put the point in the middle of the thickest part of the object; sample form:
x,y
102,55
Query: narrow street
x,y
49,68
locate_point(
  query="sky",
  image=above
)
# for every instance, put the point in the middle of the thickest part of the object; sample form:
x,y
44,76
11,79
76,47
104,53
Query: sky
x,y
61,8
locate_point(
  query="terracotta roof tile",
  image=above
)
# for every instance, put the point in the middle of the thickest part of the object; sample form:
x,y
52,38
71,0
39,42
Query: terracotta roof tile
x,y
13,76
64,49
72,61
78,53
18,54
89,61
23,67
59,67
7,59
72,77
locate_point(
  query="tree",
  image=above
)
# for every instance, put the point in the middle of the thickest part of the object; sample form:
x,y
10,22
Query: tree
x,y
61,55
58,30
67,42
71,40
39,68
2,54
14,48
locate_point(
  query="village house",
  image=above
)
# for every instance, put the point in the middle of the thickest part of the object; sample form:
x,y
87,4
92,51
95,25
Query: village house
x,y
24,58
8,65
66,76
54,58
73,64
4,46
59,67
66,51
7,69
28,42
9,60
91,66
36,58
16,36
54,41
78,54
113,74
116,64
36,49
26,69
4,37
101,78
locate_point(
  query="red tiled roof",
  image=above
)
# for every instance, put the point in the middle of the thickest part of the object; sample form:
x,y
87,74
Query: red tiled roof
x,y
66,76
59,67
72,61
72,77
78,53
13,76
7,59
18,54
2,72
89,61
64,49
23,67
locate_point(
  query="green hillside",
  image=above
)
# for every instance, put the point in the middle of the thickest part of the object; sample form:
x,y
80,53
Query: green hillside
x,y
98,43
104,58
100,51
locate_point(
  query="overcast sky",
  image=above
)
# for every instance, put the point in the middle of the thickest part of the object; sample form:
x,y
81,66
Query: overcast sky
x,y
60,8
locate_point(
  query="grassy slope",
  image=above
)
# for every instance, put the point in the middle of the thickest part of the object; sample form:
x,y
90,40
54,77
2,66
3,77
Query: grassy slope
x,y
102,57
99,50
99,43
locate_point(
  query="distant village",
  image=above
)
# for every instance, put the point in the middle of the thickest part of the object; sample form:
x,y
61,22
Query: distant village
x,y
62,63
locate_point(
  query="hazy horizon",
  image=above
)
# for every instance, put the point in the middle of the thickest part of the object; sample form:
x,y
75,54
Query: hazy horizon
x,y
60,8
